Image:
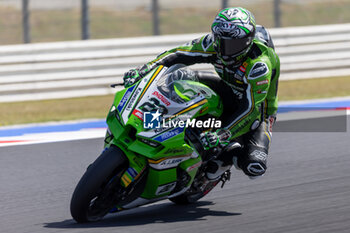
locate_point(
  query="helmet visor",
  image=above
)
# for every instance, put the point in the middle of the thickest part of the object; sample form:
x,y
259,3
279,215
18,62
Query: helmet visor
x,y
229,47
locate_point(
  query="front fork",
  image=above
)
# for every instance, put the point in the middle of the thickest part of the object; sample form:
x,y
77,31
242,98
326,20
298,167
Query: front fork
x,y
108,139
137,164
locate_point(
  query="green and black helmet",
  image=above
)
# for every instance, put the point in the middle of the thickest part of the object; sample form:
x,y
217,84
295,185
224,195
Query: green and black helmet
x,y
233,30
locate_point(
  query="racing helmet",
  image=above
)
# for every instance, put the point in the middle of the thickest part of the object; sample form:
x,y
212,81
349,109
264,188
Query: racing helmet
x,y
233,30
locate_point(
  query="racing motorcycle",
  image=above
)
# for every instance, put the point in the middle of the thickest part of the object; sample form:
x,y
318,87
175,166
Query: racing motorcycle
x,y
152,147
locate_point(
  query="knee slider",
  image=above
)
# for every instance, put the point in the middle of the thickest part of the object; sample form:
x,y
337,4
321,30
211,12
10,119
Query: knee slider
x,y
254,164
255,169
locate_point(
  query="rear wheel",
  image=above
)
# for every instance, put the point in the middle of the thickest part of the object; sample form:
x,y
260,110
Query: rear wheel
x,y
97,191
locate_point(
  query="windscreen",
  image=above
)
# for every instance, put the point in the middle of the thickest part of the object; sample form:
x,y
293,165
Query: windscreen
x,y
173,85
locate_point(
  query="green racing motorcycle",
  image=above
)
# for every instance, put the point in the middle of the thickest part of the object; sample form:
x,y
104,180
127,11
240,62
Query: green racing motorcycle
x,y
152,148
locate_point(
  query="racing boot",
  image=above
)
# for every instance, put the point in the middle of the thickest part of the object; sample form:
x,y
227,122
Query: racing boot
x,y
217,167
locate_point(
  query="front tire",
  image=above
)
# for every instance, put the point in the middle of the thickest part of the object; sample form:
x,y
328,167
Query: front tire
x,y
94,195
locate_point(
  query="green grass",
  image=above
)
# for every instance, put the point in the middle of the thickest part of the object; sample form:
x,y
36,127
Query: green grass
x,y
314,88
97,107
60,25
54,110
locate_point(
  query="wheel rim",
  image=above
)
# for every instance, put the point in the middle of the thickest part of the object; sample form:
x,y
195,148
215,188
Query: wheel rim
x,y
105,200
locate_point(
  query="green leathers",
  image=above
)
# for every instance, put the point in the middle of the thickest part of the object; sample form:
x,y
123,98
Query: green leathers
x,y
254,82
243,55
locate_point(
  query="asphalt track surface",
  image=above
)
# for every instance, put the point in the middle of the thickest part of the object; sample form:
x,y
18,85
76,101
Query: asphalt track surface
x,y
306,189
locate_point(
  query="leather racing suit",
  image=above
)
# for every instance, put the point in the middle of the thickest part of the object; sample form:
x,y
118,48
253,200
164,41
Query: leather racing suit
x,y
250,102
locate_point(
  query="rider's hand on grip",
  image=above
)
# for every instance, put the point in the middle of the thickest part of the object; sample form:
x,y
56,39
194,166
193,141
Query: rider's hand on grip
x,y
130,77
134,75
214,139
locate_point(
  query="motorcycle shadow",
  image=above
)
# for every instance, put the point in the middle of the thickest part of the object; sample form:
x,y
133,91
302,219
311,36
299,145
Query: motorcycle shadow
x,y
156,213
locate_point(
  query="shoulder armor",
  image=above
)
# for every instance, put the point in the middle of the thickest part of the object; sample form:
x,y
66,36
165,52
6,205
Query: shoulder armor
x,y
192,42
258,70
207,41
203,42
263,35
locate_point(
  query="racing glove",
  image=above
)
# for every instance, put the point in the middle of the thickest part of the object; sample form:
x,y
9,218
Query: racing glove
x,y
134,75
219,138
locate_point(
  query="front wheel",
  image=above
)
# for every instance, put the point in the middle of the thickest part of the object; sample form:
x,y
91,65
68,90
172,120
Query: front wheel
x,y
96,192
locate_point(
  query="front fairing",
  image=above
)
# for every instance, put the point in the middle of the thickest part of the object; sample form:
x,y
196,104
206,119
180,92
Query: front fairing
x,y
126,118
162,149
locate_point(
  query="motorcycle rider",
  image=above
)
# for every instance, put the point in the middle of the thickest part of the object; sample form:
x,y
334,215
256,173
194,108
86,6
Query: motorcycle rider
x,y
243,55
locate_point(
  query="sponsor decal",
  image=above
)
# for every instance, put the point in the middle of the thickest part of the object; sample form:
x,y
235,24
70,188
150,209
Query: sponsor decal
x,y
219,66
153,105
166,163
241,126
240,73
237,93
266,81
174,151
238,88
259,154
138,114
169,134
238,77
261,91
166,188
245,64
259,69
129,176
126,180
160,130
133,99
170,162
194,166
132,172
125,98
204,93
161,97
149,142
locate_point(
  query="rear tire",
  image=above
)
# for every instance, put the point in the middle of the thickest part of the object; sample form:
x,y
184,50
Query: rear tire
x,y
107,168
